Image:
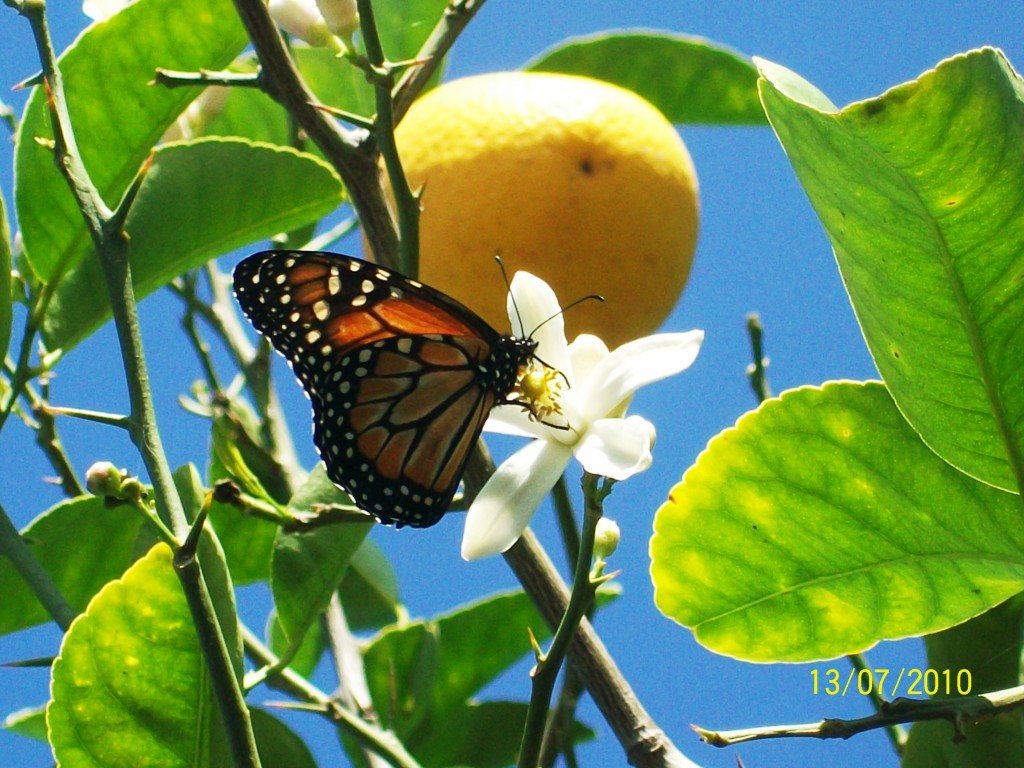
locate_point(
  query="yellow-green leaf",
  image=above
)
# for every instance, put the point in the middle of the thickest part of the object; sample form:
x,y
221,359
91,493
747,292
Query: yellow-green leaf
x,y
919,191
130,686
822,524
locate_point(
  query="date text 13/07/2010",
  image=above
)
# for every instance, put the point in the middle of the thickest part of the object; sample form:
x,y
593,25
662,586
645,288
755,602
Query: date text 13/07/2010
x,y
891,682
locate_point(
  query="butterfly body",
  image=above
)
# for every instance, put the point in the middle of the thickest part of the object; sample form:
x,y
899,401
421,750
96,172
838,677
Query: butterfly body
x,y
401,376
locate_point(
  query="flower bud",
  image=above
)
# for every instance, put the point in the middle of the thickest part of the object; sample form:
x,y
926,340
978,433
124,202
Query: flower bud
x,y
303,19
198,114
132,490
341,16
104,479
606,538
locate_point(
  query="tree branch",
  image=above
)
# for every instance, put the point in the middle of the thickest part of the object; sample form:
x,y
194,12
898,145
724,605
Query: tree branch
x,y
644,743
348,150
106,228
958,711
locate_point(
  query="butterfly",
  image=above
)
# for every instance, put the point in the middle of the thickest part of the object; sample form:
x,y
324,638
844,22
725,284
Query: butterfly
x,y
401,376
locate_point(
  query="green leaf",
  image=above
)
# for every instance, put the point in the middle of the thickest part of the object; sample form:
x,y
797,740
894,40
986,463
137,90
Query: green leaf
x,y
278,745
425,671
117,115
690,79
369,591
248,540
242,428
307,567
30,722
82,545
485,735
401,669
236,449
130,686
821,524
404,25
336,82
6,300
369,598
199,199
981,656
303,659
919,191
243,112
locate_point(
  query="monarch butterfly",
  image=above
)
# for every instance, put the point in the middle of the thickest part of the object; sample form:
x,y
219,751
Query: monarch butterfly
x,y
401,376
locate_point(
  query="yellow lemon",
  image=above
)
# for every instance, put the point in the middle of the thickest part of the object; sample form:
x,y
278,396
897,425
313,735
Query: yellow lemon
x,y
580,182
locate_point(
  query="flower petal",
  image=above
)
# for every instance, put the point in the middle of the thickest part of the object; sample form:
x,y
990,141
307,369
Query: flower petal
x,y
635,364
503,508
586,351
617,448
514,420
534,311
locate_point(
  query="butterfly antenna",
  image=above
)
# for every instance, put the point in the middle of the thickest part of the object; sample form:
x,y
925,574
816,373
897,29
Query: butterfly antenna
x,y
508,286
566,308
562,311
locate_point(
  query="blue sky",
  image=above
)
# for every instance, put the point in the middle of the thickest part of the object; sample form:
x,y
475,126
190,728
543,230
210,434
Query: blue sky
x,y
761,249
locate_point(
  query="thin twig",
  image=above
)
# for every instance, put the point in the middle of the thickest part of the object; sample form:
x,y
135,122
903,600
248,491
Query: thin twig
x,y
560,722
50,443
170,78
558,734
454,19
353,689
188,323
566,520
112,248
897,735
14,548
549,664
225,684
23,371
757,371
382,76
384,743
644,743
325,240
958,711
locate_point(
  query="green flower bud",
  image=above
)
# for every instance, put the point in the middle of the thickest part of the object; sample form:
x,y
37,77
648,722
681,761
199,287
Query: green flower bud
x,y
104,479
606,538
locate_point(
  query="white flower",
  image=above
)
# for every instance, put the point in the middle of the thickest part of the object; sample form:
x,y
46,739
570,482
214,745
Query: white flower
x,y
101,10
579,398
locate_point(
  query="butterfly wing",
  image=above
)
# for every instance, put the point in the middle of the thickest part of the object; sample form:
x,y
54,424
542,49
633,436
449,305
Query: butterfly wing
x,y
401,376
